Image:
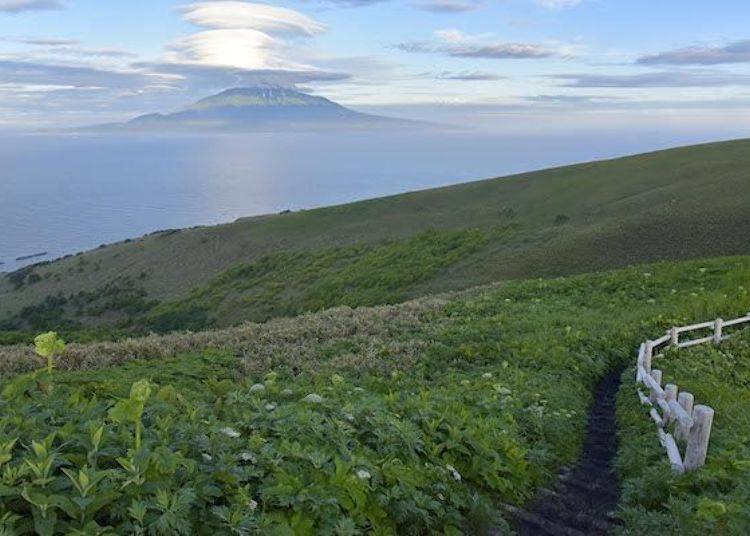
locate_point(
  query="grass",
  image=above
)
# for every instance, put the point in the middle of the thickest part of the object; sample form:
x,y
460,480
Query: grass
x,y
715,499
427,414
677,204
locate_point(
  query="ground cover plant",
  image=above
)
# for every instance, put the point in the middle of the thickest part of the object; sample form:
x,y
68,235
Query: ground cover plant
x,y
715,499
420,418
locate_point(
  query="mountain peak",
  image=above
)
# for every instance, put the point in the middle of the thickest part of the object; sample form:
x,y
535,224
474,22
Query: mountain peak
x,y
258,96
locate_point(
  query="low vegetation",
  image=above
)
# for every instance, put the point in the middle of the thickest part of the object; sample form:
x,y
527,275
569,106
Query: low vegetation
x,y
710,501
424,415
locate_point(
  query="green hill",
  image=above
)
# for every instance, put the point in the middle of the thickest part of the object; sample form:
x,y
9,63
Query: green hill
x,y
675,204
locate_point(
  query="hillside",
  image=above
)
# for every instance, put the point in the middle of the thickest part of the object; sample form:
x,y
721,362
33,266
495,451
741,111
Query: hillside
x,y
676,204
421,417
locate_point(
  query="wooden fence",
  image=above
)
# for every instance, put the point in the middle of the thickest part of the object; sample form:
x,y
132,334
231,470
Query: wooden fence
x,y
691,423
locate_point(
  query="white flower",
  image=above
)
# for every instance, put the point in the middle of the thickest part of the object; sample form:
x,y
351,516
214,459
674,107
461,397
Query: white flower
x,y
287,392
349,417
363,475
206,457
257,388
456,475
487,375
313,398
358,390
270,406
247,457
230,432
253,505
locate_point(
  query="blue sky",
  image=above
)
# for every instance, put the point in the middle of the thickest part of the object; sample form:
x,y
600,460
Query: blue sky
x,y
68,62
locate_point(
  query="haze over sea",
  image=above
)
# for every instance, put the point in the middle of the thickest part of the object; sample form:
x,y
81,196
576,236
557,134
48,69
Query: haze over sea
x,y
66,193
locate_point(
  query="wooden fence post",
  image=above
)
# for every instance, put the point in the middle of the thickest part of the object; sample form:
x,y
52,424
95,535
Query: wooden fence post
x,y
656,375
685,400
697,446
647,355
718,326
670,394
674,337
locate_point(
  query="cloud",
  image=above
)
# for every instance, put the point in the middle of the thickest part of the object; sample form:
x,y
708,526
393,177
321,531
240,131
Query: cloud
x,y
567,100
466,76
47,74
45,42
242,15
353,3
241,37
737,52
17,6
456,44
558,4
662,79
196,77
447,6
71,47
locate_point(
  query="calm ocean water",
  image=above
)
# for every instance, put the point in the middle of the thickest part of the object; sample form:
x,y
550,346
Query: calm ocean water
x,y
63,194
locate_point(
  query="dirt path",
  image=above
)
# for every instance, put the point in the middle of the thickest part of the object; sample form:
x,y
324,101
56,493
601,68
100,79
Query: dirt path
x,y
583,498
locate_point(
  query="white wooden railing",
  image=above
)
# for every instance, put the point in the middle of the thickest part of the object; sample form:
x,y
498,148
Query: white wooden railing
x,y
691,423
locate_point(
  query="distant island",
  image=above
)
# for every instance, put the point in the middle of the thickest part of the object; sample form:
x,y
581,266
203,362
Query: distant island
x,y
261,108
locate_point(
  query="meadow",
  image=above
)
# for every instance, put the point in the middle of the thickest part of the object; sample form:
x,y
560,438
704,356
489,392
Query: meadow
x,y
422,417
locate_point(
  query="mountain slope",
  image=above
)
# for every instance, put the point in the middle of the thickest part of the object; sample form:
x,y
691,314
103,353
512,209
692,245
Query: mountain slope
x,y
681,203
256,108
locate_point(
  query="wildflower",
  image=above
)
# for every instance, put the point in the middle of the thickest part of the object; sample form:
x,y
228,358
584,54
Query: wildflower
x,y
206,457
465,382
363,474
287,392
349,417
313,398
257,388
253,505
247,457
358,390
454,473
487,375
646,274
230,432
270,406
501,389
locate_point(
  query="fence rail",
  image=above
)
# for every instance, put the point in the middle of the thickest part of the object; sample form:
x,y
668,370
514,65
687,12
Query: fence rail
x,y
691,423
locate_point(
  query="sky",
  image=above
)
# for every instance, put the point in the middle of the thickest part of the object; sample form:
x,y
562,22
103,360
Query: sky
x,y
555,63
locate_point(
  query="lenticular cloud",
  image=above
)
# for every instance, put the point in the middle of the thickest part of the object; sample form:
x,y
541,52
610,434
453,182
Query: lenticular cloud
x,y
260,17
243,35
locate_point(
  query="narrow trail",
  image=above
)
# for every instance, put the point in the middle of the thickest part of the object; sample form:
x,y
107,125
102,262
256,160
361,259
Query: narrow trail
x,y
582,500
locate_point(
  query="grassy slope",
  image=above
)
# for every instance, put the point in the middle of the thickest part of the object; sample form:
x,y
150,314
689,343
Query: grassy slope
x,y
675,204
427,401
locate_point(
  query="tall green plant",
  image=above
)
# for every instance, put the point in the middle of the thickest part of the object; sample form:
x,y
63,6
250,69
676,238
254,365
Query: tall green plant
x,y
48,345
